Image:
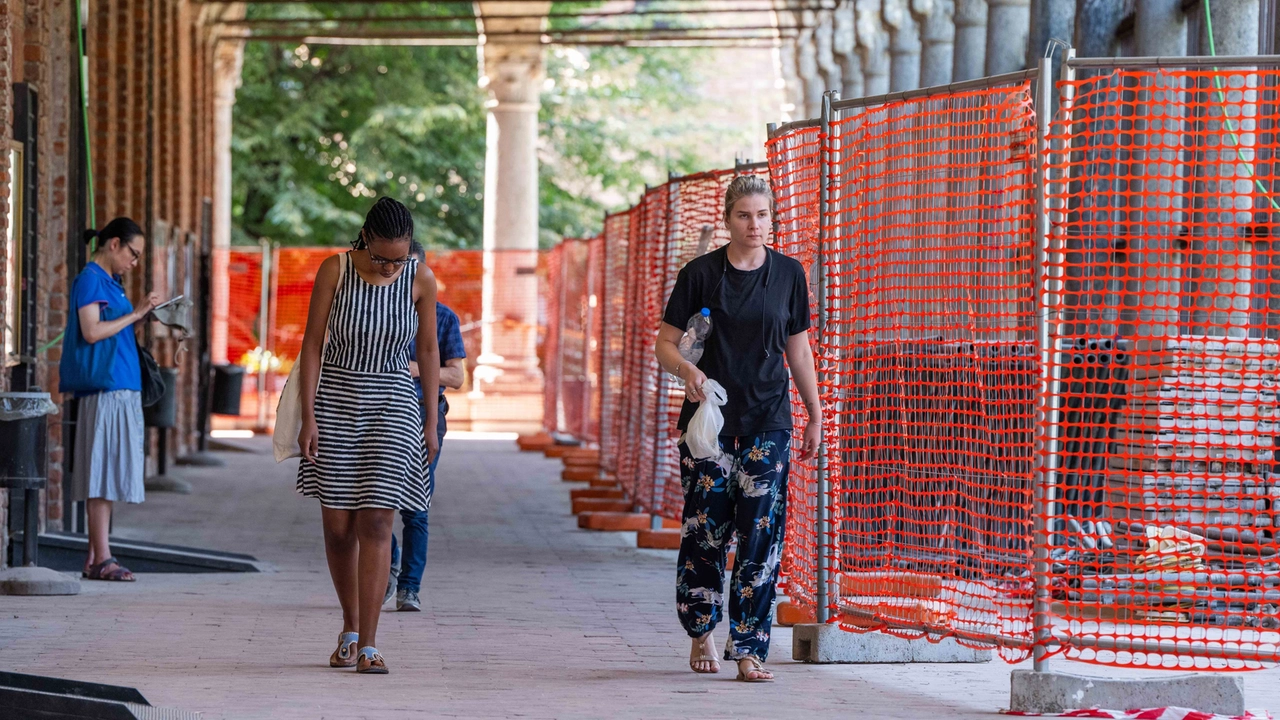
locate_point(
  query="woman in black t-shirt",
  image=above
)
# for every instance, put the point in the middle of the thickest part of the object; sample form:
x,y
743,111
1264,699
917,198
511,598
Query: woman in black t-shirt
x,y
759,304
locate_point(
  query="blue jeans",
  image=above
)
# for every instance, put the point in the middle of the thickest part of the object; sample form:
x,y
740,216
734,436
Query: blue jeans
x,y
415,522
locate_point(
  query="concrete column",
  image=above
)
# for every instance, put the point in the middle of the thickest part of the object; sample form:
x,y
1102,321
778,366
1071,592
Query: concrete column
x,y
1096,27
1235,27
807,69
226,78
873,45
845,46
937,40
904,45
1008,25
1160,28
793,94
824,40
1053,19
508,361
969,58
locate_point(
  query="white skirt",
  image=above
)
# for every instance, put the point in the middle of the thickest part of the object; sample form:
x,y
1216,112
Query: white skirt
x,y
109,459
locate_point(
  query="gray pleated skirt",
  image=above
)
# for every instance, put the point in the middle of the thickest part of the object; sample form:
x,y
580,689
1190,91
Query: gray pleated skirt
x,y
109,460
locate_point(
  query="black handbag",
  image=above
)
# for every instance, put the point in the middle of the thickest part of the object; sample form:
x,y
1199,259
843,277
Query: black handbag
x,y
152,382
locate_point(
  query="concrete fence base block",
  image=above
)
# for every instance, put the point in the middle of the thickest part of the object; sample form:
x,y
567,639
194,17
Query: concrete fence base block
x,y
829,644
1055,692
167,483
37,581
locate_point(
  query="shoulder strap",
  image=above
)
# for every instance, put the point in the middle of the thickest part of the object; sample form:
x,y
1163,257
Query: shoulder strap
x,y
342,272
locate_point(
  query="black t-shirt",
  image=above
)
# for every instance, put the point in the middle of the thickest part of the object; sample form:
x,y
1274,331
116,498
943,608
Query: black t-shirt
x,y
753,312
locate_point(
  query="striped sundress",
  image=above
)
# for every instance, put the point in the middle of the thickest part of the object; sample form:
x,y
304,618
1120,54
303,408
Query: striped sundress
x,y
372,450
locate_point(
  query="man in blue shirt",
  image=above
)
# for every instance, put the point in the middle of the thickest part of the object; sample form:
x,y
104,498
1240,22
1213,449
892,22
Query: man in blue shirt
x,y
407,579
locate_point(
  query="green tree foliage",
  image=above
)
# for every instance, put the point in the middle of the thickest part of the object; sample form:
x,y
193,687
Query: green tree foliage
x,y
321,130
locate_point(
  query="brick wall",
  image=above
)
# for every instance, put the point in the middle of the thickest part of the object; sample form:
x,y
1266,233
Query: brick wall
x,y
150,64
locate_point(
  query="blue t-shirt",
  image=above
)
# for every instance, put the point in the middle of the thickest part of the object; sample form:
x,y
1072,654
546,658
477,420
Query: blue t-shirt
x,y
94,286
448,337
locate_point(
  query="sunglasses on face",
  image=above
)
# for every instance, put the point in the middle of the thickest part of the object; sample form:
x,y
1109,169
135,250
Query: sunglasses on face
x,y
381,261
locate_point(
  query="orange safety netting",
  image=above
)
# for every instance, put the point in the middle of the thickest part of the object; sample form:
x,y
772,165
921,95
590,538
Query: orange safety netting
x,y
292,273
795,173
1165,323
613,337
572,318
929,365
552,291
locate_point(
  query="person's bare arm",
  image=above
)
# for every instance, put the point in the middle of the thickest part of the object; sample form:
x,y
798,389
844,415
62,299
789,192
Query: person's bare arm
x,y
312,344
800,360
95,329
668,351
452,375
424,287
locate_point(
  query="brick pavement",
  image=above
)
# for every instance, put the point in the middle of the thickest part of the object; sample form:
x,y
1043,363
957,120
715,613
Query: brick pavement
x,y
525,616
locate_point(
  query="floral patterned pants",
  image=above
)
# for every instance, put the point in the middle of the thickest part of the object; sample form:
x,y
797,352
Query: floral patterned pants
x,y
744,491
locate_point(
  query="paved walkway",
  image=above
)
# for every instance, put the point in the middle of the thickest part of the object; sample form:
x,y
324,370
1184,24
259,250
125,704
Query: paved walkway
x,y
525,616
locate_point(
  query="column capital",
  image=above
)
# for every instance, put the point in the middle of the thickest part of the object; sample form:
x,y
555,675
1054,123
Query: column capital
x,y
970,13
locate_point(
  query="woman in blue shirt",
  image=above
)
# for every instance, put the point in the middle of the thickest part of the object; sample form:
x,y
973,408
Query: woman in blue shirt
x,y
109,460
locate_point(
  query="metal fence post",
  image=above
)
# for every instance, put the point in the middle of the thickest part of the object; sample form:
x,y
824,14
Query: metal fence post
x,y
1046,417
562,304
264,330
821,612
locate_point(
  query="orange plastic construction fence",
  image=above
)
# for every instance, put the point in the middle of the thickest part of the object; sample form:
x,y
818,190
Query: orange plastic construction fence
x,y
291,276
795,168
927,359
1165,323
571,341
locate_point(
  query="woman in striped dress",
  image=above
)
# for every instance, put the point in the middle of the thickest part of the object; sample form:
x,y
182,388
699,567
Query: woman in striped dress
x,y
365,451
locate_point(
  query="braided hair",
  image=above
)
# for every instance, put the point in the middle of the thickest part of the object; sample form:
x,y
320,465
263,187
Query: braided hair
x,y
388,219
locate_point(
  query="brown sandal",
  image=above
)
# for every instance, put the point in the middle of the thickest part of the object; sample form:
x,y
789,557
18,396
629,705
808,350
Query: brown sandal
x,y
370,662
756,667
99,572
345,655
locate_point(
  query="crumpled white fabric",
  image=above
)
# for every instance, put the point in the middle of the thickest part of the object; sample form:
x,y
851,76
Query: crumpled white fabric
x,y
703,434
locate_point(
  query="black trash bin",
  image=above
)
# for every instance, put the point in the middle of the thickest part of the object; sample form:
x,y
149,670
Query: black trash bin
x,y
228,380
164,414
23,459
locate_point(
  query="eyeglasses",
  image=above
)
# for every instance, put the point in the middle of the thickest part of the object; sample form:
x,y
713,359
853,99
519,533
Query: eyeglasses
x,y
384,261
136,255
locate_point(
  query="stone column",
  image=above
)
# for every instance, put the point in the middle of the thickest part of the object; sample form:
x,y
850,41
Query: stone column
x,y
1160,28
904,45
845,46
807,69
937,40
1096,27
508,362
824,43
873,44
793,95
1235,27
1052,19
969,57
1008,24
229,55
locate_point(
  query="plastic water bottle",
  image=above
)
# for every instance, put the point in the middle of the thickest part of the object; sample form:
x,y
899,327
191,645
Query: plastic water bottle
x,y
695,336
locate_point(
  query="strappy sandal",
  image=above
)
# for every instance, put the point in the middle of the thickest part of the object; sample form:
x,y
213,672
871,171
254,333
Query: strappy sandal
x,y
345,655
704,658
756,667
99,572
370,662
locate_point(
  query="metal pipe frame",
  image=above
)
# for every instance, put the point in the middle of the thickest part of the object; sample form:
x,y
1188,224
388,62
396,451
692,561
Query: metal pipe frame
x,y
784,128
1044,473
751,166
1202,61
821,604
975,84
1061,640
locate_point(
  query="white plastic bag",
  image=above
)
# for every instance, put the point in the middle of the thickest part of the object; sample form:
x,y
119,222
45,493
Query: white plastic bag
x,y
703,434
